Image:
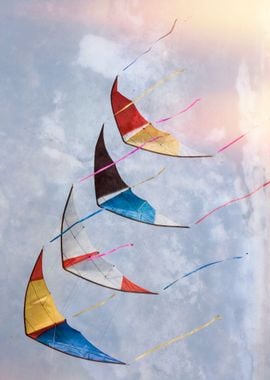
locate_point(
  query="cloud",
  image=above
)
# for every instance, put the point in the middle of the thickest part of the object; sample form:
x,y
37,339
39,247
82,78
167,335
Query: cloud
x,y
103,56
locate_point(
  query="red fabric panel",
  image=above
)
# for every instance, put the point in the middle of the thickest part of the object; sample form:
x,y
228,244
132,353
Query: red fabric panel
x,y
129,286
128,119
75,260
37,273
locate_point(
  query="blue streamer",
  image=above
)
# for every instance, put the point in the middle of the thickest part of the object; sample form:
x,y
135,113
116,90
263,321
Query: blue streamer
x,y
74,224
203,267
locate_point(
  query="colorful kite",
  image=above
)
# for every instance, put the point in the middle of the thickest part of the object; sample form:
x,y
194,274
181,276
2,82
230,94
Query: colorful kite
x,y
135,130
79,257
45,324
114,195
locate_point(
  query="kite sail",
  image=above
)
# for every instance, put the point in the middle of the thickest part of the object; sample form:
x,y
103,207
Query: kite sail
x,y
135,130
45,324
114,195
80,258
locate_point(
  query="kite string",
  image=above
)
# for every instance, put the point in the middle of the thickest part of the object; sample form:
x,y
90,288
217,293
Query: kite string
x,y
231,202
177,338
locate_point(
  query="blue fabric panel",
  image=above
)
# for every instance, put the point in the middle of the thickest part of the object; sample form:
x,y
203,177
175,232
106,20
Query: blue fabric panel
x,y
70,341
131,206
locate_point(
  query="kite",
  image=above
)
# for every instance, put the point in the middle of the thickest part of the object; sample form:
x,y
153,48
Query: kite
x,y
135,130
45,324
114,195
80,258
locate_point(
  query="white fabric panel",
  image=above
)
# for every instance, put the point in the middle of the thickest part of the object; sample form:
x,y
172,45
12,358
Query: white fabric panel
x,y
163,220
75,242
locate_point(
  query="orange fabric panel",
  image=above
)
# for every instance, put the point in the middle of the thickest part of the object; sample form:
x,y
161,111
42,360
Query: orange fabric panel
x,y
129,286
37,273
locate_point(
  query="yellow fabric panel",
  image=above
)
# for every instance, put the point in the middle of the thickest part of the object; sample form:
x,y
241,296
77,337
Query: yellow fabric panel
x,y
40,310
166,143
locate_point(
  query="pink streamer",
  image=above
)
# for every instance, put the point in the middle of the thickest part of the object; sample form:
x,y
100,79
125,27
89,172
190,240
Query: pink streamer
x,y
120,159
231,143
178,113
232,201
98,256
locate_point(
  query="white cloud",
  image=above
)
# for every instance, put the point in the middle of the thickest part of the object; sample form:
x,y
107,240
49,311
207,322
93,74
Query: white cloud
x,y
101,55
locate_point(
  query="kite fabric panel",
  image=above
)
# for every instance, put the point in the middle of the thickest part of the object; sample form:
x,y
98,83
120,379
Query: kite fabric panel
x,y
135,130
114,195
45,324
80,258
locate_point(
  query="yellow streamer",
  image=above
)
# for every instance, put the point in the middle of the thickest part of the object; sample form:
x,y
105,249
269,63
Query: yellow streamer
x,y
149,179
176,339
99,304
152,88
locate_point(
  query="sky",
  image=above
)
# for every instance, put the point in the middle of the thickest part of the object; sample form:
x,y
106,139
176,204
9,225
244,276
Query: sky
x,y
58,62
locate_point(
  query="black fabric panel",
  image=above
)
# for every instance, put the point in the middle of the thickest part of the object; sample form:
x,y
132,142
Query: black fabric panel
x,y
108,181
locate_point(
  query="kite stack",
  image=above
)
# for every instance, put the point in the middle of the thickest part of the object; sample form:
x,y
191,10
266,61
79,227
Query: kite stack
x,y
43,322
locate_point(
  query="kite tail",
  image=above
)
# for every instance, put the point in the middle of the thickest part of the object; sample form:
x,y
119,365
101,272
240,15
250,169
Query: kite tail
x,y
74,224
151,89
120,159
151,47
177,338
99,304
231,202
149,179
178,113
202,267
232,142
237,139
95,257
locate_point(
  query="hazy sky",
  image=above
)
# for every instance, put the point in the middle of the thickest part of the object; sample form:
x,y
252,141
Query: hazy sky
x,y
58,62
